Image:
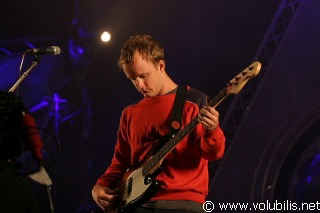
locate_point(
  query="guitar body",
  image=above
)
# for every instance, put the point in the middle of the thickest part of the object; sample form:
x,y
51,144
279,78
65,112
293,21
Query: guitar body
x,y
137,189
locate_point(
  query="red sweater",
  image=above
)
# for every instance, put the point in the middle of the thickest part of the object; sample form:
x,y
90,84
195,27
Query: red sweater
x,y
185,168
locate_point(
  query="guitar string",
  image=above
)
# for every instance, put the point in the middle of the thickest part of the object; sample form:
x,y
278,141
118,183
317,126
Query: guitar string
x,y
137,176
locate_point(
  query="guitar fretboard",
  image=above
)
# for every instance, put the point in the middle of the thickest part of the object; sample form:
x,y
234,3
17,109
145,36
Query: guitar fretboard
x,y
175,139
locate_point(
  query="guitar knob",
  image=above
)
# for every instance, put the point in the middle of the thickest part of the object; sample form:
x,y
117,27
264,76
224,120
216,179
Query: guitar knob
x,y
148,179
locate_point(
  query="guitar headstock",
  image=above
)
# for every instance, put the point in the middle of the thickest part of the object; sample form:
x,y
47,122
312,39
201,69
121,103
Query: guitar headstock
x,y
238,82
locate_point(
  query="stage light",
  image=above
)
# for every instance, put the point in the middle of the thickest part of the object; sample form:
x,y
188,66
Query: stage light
x,y
105,36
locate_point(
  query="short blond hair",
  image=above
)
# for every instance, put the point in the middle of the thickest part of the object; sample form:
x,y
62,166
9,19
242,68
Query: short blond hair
x,y
147,46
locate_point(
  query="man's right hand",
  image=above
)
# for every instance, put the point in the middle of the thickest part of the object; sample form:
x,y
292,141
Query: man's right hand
x,y
104,197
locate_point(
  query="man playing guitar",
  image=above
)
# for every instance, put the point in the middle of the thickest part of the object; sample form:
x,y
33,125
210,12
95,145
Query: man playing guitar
x,y
128,184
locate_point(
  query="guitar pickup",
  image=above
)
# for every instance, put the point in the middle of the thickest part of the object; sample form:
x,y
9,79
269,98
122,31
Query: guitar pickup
x,y
129,188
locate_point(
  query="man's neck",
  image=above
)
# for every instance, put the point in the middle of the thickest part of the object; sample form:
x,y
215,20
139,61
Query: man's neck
x,y
173,91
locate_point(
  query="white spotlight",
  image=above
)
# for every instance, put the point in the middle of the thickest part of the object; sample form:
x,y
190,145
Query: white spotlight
x,y
105,36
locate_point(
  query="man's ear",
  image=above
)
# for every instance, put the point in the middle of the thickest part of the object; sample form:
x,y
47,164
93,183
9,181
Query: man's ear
x,y
162,65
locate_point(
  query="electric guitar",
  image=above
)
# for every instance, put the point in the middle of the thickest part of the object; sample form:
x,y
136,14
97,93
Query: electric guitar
x,y
139,183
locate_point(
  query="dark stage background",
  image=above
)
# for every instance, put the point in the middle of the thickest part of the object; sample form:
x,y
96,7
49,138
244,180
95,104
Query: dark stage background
x,y
272,126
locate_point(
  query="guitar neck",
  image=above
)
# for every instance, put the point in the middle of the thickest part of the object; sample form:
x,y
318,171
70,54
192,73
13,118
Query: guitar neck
x,y
175,139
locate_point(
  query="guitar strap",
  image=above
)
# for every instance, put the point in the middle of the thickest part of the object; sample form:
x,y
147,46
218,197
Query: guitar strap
x,y
176,118
177,111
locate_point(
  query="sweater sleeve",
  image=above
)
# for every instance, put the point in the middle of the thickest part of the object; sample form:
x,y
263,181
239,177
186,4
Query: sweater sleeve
x,y
120,161
211,144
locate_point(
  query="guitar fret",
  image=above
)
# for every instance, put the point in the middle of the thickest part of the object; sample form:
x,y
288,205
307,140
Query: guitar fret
x,y
167,147
221,95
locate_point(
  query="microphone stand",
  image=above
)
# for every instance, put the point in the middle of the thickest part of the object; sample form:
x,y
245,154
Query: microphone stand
x,y
35,62
41,176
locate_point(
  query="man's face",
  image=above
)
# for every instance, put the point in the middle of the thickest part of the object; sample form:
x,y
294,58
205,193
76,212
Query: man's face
x,y
145,76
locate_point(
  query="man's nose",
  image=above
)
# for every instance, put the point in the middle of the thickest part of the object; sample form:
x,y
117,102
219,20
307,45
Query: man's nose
x,y
139,83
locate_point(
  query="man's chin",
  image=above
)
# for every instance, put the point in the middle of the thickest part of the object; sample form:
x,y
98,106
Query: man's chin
x,y
148,94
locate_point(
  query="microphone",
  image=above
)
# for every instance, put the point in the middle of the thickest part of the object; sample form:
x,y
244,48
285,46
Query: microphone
x,y
47,50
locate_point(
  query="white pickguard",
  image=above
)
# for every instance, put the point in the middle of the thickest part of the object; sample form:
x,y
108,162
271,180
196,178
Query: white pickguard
x,y
135,186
